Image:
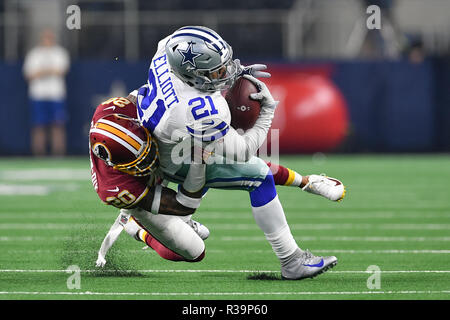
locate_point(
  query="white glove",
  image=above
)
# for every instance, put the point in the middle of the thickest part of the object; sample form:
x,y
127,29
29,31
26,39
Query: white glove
x,y
254,70
109,240
100,261
264,96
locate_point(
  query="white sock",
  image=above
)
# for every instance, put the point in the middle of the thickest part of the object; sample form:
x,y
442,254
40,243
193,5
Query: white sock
x,y
294,179
132,228
297,179
272,221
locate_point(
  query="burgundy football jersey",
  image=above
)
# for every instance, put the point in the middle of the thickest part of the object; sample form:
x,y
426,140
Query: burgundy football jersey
x,y
113,186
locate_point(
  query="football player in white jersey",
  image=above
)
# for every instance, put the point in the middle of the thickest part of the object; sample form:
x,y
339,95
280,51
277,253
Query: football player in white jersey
x,y
182,104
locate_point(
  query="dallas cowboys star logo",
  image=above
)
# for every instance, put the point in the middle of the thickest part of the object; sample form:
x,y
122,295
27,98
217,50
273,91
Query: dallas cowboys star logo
x,y
189,55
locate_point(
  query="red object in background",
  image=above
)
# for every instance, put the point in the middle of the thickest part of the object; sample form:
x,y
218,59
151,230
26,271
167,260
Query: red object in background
x,y
312,115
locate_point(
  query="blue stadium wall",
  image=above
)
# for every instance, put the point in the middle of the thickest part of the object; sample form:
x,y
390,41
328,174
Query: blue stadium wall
x,y
392,106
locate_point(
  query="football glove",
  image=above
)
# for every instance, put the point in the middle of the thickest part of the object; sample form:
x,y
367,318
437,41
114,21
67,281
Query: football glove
x,y
263,96
255,70
100,261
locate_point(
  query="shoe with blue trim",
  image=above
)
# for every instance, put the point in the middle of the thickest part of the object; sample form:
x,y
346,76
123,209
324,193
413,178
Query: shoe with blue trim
x,y
303,264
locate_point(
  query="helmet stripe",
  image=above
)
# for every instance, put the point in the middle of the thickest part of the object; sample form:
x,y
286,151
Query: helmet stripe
x,y
215,36
117,139
200,37
119,134
201,30
125,130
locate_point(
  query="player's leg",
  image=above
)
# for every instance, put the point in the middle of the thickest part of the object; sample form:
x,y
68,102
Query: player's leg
x,y
125,221
172,233
268,212
38,140
57,128
138,232
327,187
58,139
39,120
256,178
269,215
286,177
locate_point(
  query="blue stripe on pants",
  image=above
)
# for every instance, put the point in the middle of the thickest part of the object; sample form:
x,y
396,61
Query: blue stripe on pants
x,y
265,193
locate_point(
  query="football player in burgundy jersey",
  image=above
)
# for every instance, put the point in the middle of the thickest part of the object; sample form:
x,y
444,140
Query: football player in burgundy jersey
x,y
124,169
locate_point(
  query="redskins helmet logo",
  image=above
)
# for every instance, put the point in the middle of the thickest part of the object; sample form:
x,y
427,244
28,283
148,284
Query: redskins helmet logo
x,y
101,151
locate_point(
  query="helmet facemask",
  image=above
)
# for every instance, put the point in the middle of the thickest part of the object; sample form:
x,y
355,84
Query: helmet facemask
x,y
219,78
146,163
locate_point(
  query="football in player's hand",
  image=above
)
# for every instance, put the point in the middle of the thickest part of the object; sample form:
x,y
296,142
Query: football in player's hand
x,y
244,111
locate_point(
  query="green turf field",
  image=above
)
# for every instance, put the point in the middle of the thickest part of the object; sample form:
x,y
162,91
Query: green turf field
x,y
396,215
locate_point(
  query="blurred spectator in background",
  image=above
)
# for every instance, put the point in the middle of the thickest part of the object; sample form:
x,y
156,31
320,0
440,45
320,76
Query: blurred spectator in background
x,y
45,68
389,41
415,51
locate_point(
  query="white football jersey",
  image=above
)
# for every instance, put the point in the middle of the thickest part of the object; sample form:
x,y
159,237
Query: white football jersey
x,y
173,111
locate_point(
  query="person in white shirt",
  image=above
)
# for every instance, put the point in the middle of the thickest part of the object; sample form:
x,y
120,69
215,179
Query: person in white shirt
x,y
45,67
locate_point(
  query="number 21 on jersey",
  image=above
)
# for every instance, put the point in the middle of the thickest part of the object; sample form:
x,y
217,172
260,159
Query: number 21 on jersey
x,y
202,108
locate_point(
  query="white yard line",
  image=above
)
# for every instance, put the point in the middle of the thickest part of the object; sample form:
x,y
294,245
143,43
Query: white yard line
x,y
208,271
345,238
21,190
240,226
56,174
268,251
338,226
89,293
373,215
331,251
207,215
253,238
50,226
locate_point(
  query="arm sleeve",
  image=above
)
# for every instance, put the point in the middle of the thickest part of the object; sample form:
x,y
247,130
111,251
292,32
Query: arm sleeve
x,y
195,178
194,182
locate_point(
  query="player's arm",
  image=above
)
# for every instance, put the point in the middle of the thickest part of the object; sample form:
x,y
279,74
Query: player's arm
x,y
243,147
162,200
110,239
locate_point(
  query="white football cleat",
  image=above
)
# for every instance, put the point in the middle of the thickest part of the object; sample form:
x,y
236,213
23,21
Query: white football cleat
x,y
324,186
200,229
303,264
